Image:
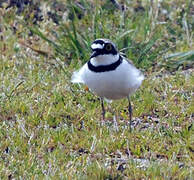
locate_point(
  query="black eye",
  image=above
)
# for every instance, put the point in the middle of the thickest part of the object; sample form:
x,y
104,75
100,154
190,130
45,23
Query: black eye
x,y
108,47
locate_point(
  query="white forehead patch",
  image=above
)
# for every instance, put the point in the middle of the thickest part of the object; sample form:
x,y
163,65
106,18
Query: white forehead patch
x,y
97,46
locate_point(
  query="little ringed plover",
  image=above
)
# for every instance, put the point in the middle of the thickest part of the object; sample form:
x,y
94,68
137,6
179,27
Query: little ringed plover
x,y
109,74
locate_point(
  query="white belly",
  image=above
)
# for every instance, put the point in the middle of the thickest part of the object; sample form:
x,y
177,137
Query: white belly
x,y
116,84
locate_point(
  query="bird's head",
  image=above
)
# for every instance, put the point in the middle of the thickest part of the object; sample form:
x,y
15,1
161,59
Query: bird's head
x,y
102,47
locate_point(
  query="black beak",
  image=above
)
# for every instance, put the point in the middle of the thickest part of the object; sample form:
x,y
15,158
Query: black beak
x,y
94,54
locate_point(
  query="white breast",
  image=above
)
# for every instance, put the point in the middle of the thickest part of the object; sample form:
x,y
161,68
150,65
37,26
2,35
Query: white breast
x,y
116,84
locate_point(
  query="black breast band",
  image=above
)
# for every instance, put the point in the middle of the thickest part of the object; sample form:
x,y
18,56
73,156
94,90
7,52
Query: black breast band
x,y
104,68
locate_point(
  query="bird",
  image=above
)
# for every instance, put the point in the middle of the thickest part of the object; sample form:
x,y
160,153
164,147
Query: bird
x,y
109,74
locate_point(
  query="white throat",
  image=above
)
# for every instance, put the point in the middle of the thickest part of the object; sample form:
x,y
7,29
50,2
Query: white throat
x,y
105,59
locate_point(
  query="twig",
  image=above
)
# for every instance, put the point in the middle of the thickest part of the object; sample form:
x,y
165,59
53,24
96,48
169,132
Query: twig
x,y
14,89
44,53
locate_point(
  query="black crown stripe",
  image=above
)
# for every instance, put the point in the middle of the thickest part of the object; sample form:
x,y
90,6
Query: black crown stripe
x,y
98,41
105,68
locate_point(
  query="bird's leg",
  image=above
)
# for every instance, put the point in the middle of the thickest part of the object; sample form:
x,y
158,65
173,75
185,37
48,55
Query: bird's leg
x,y
130,113
103,109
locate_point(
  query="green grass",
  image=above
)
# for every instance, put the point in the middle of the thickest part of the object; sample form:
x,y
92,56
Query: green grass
x,y
41,112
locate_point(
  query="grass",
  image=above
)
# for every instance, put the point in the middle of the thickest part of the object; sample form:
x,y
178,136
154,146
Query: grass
x,y
42,113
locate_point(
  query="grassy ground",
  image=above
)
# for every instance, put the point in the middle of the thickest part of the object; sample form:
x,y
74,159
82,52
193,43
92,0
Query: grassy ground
x,y
41,112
